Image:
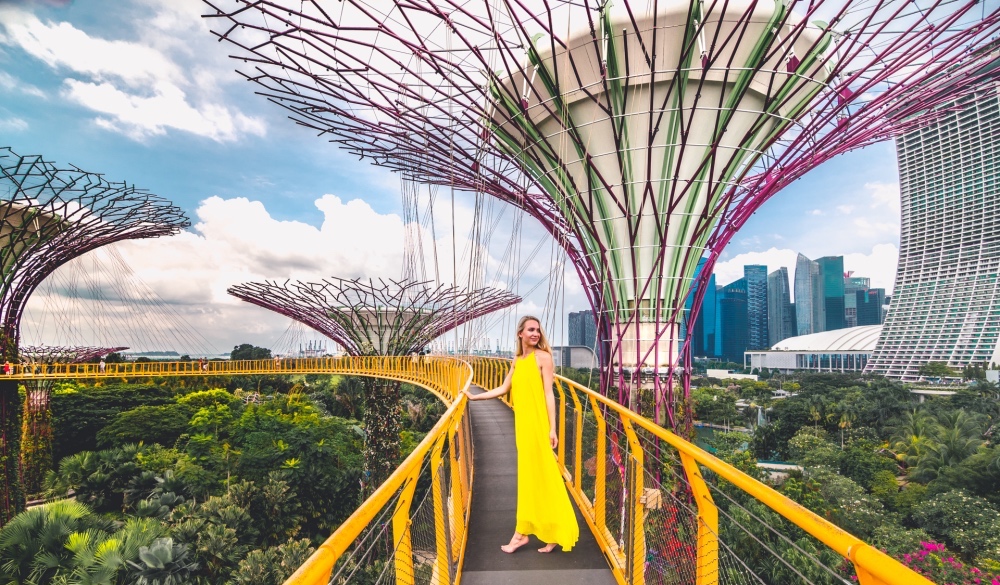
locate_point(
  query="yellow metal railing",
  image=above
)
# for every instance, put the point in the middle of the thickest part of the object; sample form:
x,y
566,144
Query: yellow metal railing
x,y
415,537
642,490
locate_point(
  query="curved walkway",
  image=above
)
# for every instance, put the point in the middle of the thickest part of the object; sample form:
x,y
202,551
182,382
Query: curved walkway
x,y
492,518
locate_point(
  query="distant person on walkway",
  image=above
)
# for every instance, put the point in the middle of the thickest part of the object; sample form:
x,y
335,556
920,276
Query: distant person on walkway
x,y
6,368
543,506
101,366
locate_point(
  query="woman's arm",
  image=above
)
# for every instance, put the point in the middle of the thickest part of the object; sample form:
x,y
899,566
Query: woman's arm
x,y
498,391
544,360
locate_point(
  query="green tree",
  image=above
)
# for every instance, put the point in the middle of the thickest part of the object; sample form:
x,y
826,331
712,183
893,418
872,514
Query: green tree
x,y
246,351
964,522
163,562
937,370
272,566
149,424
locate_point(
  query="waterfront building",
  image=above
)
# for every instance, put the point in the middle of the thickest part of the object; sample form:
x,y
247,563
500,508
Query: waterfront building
x,y
703,329
582,330
780,311
756,277
945,305
733,320
853,284
870,303
810,313
840,350
831,270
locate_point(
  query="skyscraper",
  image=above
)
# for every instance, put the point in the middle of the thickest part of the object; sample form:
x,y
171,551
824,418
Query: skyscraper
x,y
703,328
756,277
831,270
780,314
810,313
733,320
945,305
869,303
582,330
853,284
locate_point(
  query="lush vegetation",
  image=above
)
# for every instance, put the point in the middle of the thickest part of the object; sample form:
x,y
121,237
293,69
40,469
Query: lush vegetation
x,y
919,480
173,482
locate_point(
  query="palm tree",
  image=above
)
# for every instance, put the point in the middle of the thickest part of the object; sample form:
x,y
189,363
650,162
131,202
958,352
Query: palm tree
x,y
957,435
913,436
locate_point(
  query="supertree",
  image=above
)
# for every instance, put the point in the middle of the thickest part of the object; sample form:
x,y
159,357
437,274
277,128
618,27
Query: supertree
x,y
377,318
36,428
641,136
48,216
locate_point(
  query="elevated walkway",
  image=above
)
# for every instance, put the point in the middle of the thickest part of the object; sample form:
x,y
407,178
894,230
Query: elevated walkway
x,y
491,521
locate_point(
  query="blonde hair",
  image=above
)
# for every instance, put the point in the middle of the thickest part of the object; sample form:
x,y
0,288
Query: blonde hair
x,y
543,342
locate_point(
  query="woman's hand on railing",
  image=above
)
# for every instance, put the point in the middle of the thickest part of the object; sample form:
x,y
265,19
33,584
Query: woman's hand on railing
x,y
553,438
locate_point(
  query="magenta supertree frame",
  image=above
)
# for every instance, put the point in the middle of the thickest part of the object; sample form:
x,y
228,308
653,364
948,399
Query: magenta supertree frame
x,y
377,317
642,136
50,215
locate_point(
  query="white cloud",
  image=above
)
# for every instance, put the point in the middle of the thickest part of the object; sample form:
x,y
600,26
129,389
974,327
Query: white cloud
x,y
140,89
774,258
884,195
12,84
845,209
237,240
816,212
13,125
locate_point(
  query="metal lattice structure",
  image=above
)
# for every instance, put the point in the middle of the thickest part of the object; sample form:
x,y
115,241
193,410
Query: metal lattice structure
x,y
48,216
641,136
376,317
55,354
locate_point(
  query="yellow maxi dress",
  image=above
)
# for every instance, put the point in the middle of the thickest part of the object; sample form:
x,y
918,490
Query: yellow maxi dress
x,y
543,506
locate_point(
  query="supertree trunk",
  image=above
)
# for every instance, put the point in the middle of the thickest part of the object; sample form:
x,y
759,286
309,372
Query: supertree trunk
x,y
11,492
36,438
382,419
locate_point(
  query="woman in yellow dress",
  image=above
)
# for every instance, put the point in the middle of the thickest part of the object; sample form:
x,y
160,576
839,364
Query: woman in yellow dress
x,y
543,506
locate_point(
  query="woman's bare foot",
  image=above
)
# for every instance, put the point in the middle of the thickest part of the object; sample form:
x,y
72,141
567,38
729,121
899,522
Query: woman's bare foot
x,y
547,548
516,542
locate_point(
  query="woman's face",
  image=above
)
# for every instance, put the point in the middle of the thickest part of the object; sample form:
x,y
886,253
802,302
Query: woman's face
x,y
530,334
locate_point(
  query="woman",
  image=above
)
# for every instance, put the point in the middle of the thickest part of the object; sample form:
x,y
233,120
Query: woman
x,y
543,506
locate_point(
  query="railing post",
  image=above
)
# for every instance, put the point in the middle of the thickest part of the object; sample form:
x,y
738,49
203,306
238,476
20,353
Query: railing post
x,y
578,443
561,447
442,560
707,572
600,467
457,457
401,530
638,537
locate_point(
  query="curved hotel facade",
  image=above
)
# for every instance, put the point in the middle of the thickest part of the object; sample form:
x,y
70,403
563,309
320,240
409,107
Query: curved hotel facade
x,y
946,302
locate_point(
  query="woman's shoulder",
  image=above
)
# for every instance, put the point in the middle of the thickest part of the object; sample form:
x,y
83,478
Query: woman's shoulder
x,y
542,356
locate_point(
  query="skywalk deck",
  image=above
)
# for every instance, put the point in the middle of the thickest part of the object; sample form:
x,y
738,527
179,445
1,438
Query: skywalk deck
x,y
492,519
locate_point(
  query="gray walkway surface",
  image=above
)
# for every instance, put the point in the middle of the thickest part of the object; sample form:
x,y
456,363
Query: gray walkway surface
x,y
494,502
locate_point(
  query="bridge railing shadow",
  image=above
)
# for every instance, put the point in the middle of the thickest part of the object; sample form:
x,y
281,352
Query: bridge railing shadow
x,y
665,511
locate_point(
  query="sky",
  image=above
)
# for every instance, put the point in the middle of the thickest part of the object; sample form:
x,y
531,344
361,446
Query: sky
x,y
140,91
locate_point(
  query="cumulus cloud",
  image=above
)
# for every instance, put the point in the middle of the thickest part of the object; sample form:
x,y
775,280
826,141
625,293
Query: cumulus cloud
x,y
237,240
884,195
138,88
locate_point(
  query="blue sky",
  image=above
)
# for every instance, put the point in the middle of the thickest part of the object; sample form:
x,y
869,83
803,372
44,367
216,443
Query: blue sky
x,y
140,91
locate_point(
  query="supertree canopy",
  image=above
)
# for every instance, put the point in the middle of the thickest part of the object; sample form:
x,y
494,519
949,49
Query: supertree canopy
x,y
55,354
641,135
48,216
386,318
376,317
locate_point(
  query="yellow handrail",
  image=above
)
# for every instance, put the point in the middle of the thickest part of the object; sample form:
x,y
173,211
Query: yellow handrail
x,y
447,378
627,552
